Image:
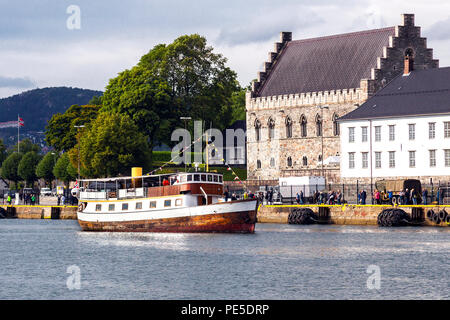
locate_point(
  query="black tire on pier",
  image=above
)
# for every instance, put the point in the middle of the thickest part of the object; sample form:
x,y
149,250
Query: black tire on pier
x,y
292,218
436,218
393,218
442,215
302,216
430,214
447,220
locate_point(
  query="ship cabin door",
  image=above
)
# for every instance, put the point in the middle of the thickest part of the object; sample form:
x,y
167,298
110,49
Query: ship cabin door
x,y
202,200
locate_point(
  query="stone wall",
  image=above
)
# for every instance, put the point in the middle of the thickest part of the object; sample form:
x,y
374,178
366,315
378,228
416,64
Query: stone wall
x,y
342,215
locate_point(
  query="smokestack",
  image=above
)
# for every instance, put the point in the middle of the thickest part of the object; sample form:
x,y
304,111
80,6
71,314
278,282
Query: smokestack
x,y
409,64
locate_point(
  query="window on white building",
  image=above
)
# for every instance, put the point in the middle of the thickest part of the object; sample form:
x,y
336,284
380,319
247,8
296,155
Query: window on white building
x,y
391,132
365,160
351,160
432,158
377,160
431,130
364,134
351,134
378,133
272,162
412,131
391,159
447,157
412,159
446,129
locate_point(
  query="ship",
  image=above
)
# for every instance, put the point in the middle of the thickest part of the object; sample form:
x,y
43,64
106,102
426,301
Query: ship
x,y
178,202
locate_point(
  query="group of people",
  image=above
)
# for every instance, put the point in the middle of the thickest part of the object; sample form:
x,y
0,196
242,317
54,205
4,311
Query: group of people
x,y
330,197
405,197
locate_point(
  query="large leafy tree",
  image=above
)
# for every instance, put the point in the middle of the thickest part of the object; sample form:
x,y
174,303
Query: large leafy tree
x,y
3,151
63,169
142,96
27,167
44,168
110,146
61,132
184,78
9,167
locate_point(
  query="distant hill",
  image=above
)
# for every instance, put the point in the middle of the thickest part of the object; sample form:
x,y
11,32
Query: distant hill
x,y
37,106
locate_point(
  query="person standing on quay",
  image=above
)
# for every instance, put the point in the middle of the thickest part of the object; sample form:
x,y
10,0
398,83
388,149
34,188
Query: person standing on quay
x,y
425,196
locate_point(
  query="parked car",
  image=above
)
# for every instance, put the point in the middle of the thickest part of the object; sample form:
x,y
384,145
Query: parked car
x,y
46,192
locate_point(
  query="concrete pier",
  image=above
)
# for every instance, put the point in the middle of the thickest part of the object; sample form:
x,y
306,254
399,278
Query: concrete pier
x,y
344,214
40,212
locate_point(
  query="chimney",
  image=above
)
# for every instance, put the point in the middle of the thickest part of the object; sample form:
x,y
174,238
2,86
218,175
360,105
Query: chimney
x,y
409,65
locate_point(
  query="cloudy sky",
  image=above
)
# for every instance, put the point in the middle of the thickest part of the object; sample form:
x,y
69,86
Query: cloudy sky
x,y
37,49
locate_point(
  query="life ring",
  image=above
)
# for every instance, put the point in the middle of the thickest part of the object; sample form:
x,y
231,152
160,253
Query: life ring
x,y
81,207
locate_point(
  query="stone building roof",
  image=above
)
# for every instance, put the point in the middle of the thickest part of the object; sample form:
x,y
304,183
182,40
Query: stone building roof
x,y
422,92
326,63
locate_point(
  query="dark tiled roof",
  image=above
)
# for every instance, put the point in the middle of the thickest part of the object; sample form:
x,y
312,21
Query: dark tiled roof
x,y
422,92
326,63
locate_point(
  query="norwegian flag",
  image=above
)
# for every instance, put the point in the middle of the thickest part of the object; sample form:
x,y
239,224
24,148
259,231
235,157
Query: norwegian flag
x,y
229,169
236,178
21,122
76,186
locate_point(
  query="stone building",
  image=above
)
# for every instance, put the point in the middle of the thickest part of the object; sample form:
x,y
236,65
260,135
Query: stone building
x,y
306,85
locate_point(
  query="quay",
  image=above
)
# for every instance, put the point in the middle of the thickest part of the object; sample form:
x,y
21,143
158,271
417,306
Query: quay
x,y
38,212
347,214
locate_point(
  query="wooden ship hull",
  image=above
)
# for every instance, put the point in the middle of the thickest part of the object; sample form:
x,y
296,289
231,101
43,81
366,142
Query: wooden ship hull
x,y
227,217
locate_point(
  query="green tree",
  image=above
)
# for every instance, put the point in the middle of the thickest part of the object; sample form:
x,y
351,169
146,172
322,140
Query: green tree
x,y
184,78
44,169
61,132
27,167
63,169
26,145
144,98
110,146
3,152
9,167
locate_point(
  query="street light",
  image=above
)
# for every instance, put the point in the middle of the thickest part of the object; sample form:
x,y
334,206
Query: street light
x,y
186,119
78,143
322,131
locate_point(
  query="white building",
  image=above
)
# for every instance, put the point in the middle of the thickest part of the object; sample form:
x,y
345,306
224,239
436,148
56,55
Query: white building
x,y
403,131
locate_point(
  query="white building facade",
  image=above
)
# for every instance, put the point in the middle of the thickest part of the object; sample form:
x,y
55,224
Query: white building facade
x,y
410,147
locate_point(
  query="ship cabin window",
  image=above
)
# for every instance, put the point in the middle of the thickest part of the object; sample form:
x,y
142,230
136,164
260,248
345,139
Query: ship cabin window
x,y
196,177
220,179
178,202
152,204
209,177
138,205
167,203
111,207
98,207
189,177
216,179
183,179
203,177
124,206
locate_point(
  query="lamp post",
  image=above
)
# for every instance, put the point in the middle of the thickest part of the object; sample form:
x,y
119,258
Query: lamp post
x,y
321,107
186,119
78,143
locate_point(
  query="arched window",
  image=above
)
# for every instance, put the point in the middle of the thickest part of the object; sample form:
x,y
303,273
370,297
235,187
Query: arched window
x,y
305,161
319,158
257,130
318,125
336,130
303,126
288,127
258,164
271,126
289,162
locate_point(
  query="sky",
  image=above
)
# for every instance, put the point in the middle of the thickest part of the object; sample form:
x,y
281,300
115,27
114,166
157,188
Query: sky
x,y
50,43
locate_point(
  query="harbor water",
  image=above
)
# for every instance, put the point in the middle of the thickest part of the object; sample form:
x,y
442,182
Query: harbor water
x,y
54,259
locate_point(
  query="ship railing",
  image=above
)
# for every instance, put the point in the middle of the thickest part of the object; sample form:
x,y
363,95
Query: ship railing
x,y
131,193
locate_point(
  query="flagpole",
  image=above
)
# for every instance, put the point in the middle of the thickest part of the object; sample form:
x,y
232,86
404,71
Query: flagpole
x,y
18,134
